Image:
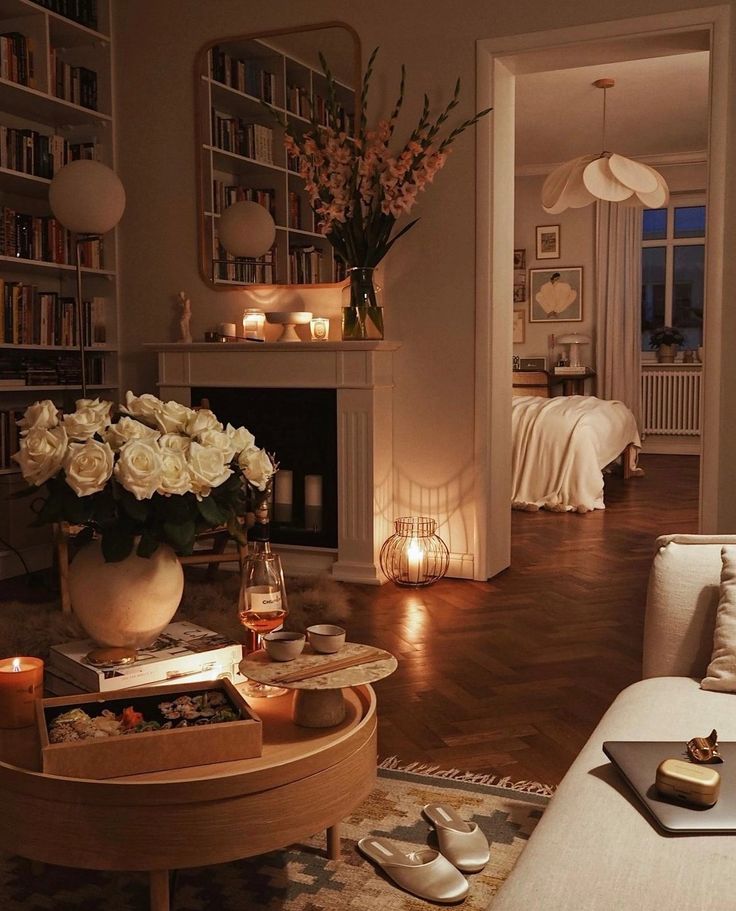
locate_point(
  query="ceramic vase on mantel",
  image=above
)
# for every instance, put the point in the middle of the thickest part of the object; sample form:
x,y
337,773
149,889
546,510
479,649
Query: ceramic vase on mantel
x,y
128,603
666,354
362,310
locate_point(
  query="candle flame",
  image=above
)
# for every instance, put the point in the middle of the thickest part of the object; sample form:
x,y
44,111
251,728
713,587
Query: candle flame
x,y
415,550
16,664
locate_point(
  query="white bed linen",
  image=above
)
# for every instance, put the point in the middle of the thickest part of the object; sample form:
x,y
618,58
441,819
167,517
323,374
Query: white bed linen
x,y
561,445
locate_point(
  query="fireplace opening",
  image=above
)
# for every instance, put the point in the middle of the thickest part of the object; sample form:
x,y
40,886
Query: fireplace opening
x,y
300,427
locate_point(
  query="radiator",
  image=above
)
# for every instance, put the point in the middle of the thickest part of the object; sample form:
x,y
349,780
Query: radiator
x,y
670,401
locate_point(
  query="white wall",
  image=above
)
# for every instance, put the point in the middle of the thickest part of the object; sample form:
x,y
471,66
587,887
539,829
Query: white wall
x,y
430,274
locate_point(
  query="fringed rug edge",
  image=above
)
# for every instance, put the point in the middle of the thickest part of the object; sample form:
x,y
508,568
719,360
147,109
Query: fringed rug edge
x,y
429,770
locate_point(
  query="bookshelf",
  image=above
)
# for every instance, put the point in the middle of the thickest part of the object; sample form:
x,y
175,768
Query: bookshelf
x,y
56,104
241,155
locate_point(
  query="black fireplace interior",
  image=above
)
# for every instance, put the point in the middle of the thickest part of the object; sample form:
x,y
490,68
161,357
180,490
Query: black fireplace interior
x,y
299,426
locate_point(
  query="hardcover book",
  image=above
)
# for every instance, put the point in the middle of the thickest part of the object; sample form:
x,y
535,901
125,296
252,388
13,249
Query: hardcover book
x,y
182,649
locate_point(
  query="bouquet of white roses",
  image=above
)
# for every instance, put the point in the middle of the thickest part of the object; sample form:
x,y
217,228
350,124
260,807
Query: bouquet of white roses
x,y
158,472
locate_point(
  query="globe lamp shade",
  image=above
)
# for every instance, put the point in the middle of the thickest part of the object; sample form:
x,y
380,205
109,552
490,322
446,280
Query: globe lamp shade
x,y
87,197
247,229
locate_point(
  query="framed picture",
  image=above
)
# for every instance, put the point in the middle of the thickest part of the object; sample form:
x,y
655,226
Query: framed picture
x,y
519,259
518,327
556,295
548,241
519,286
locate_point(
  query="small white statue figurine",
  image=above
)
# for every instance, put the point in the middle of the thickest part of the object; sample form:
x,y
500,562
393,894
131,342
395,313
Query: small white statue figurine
x,y
186,315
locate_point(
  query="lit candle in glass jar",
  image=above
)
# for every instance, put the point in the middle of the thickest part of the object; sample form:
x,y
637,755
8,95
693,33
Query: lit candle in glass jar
x,y
319,328
414,556
254,322
21,684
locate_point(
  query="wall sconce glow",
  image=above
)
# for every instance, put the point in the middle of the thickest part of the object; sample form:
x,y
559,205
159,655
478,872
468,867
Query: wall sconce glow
x,y
319,328
415,554
254,322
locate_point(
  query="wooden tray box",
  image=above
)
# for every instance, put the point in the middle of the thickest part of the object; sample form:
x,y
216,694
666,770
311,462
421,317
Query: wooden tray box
x,y
150,751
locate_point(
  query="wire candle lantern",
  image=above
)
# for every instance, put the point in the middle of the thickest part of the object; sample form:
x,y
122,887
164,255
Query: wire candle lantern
x,y
414,555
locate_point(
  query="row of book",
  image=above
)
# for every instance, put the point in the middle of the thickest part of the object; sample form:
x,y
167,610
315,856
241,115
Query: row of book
x,y
299,102
16,58
245,271
251,140
224,195
295,209
82,11
247,76
43,238
77,84
35,153
305,265
29,316
9,434
42,368
183,653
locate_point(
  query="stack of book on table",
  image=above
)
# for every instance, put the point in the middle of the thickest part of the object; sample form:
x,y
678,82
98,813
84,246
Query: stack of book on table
x,y
183,653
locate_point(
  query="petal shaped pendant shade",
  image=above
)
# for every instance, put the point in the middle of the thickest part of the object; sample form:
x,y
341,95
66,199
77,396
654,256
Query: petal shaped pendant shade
x,y
607,176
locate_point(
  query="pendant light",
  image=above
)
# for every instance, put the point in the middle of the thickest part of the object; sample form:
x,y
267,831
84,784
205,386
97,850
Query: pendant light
x,y
607,176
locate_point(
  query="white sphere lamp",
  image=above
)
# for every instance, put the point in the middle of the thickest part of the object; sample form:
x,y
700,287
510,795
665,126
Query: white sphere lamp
x,y
247,229
87,197
574,340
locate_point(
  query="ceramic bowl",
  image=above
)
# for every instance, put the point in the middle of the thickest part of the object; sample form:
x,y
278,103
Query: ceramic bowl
x,y
326,638
295,317
283,646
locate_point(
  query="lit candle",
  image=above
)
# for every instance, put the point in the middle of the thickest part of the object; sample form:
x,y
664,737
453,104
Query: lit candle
x,y
414,556
312,490
21,683
254,322
319,328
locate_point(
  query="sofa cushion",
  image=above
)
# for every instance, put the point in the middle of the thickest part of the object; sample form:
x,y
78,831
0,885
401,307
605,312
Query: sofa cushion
x,y
595,849
721,673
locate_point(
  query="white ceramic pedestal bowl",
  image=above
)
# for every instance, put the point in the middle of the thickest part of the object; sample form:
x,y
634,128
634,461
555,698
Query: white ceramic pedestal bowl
x,y
289,321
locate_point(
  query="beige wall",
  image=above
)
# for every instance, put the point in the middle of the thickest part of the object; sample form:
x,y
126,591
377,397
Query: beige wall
x,y
429,277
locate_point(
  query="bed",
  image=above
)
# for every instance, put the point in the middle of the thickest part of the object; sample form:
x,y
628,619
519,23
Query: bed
x,y
561,446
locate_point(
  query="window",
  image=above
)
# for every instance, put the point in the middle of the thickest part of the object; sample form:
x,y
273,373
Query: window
x,y
672,270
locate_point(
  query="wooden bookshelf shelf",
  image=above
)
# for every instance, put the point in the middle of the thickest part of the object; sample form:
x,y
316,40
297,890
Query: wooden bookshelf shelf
x,y
91,349
18,264
64,388
24,184
40,107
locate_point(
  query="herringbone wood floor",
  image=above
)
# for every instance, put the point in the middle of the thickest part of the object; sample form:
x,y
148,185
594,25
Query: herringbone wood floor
x,y
512,676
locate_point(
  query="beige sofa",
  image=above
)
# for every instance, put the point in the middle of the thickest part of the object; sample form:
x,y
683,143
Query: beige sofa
x,y
594,849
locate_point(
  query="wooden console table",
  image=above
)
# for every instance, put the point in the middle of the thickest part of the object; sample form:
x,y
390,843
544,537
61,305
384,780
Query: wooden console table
x,y
535,382
306,780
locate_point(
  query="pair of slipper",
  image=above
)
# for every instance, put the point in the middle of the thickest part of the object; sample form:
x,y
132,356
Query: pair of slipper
x,y
429,874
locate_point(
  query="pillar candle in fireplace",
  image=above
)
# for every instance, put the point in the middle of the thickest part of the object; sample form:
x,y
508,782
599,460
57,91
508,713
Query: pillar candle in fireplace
x,y
283,495
313,490
21,684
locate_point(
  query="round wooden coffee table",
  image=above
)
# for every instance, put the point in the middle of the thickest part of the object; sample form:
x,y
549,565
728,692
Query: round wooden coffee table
x,y
306,780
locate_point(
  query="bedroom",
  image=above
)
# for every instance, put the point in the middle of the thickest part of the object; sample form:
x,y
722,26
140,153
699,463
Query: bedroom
x,y
503,672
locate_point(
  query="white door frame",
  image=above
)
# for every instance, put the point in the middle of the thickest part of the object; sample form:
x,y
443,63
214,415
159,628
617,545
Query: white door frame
x,y
497,61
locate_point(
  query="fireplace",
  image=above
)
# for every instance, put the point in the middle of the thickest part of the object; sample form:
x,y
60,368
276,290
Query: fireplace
x,y
300,427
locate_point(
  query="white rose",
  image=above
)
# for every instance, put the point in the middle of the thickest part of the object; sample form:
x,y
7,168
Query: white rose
x,y
242,438
41,454
86,421
174,473
139,468
127,429
207,468
257,466
88,467
173,417
144,407
218,439
41,414
100,407
202,420
175,442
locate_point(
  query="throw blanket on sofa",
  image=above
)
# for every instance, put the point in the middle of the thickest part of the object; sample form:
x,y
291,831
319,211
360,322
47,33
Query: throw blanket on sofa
x,y
560,447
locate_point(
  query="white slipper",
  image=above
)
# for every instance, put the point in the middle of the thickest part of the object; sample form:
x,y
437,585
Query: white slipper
x,y
425,873
462,843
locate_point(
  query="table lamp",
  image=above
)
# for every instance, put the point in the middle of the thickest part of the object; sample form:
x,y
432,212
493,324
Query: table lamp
x,y
574,340
88,199
247,230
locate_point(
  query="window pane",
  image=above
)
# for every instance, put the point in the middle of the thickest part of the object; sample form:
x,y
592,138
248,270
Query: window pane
x,y
654,224
652,291
687,305
690,221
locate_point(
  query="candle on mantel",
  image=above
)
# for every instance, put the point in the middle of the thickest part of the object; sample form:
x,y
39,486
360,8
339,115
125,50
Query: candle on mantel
x,y
414,556
21,683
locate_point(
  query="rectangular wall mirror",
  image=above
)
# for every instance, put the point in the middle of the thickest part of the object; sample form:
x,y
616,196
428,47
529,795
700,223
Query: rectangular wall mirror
x,y
240,147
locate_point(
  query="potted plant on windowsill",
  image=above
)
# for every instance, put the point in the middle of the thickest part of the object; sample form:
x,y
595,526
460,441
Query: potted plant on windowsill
x,y
666,341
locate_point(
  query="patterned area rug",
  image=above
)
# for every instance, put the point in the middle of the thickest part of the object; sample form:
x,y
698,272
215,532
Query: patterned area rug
x,y
300,878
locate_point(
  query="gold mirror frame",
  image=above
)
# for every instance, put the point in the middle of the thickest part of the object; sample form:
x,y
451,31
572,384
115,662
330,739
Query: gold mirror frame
x,y
205,87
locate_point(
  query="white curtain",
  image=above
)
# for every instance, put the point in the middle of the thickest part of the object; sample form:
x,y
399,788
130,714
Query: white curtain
x,y
618,304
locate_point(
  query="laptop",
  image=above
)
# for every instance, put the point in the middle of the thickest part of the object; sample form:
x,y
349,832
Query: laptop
x,y
637,762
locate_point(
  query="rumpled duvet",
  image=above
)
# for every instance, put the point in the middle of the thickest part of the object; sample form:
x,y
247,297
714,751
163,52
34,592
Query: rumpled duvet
x,y
560,447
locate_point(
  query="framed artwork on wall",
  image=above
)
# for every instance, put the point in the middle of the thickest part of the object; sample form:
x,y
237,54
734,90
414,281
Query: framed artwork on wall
x,y
548,241
556,295
519,259
519,286
519,326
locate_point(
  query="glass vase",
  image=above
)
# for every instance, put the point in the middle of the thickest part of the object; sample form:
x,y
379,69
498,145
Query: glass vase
x,y
362,310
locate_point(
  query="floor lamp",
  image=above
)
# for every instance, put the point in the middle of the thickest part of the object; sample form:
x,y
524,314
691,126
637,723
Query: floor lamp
x,y
88,199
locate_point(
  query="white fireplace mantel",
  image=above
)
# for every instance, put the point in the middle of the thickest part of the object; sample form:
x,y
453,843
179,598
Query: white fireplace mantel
x,y
362,374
